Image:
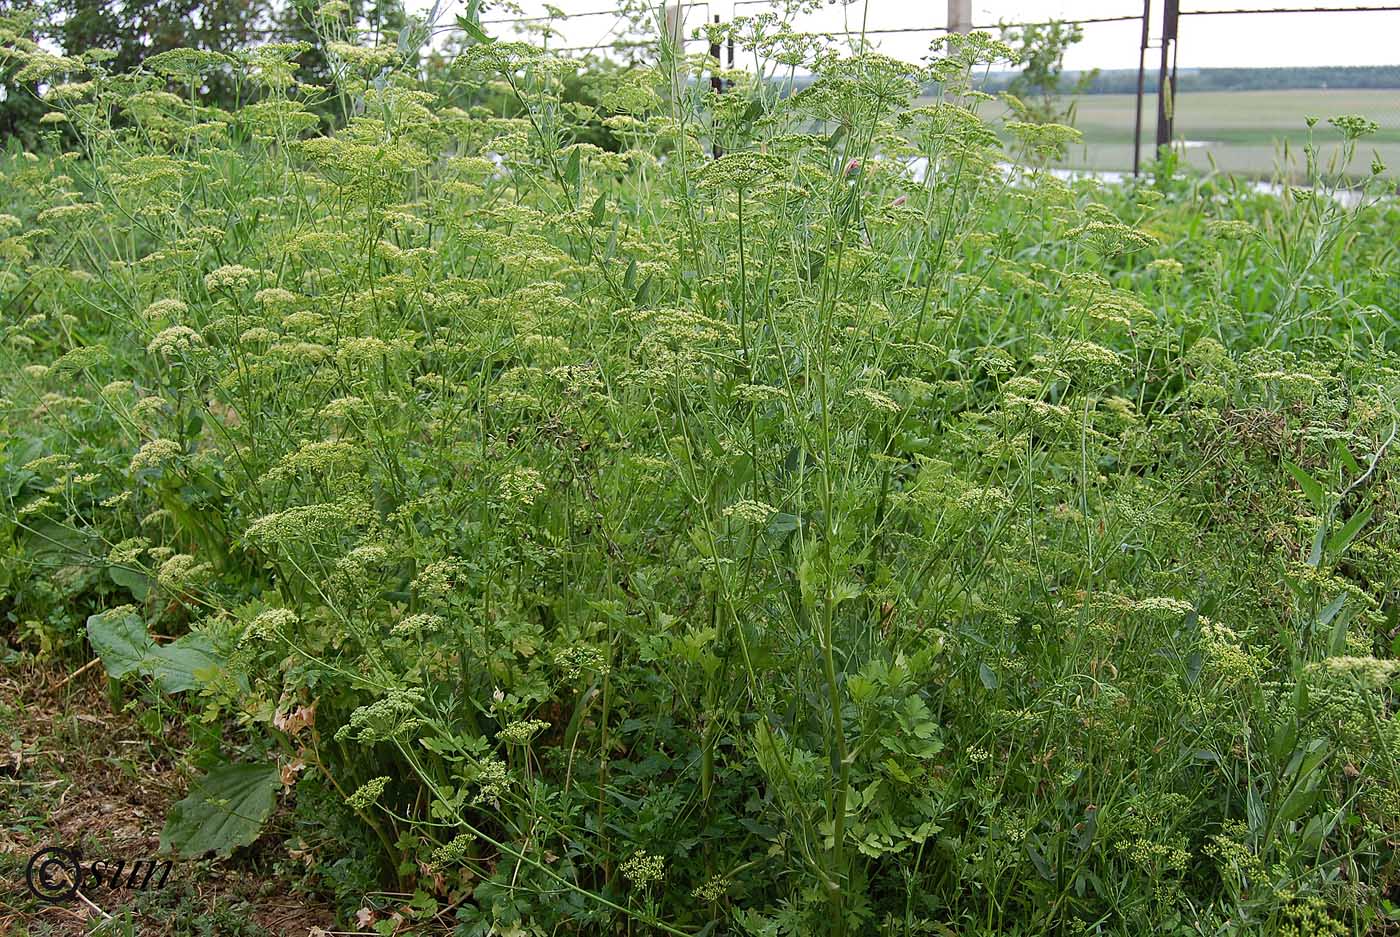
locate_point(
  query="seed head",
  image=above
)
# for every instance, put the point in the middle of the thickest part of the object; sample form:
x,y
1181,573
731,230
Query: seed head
x,y
368,793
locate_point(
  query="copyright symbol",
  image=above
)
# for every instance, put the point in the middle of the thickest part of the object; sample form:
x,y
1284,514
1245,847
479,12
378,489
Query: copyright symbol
x,y
54,874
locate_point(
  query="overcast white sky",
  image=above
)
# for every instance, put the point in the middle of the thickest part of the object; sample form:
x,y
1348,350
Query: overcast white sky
x,y
1206,41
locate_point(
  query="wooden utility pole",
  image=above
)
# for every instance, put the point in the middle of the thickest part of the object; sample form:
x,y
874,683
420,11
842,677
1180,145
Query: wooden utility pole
x,y
960,16
675,24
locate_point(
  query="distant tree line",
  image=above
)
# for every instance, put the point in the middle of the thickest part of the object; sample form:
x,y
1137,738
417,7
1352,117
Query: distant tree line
x,y
1124,80
134,30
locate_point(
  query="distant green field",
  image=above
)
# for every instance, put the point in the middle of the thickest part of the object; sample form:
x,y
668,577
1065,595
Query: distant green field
x,y
1238,131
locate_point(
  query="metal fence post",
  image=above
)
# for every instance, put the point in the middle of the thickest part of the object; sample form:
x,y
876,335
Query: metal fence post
x,y
1142,67
1166,81
716,85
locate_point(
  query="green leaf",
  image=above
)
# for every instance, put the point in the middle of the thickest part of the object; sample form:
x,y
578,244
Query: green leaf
x,y
988,676
610,251
138,584
1255,813
641,296
782,524
120,640
225,810
572,169
844,591
1298,801
125,647
470,23
1038,860
1343,538
1087,829
1311,486
1307,760
1315,554
1316,830
45,538
1348,460
1337,641
1194,662
1332,609
177,666
1284,740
